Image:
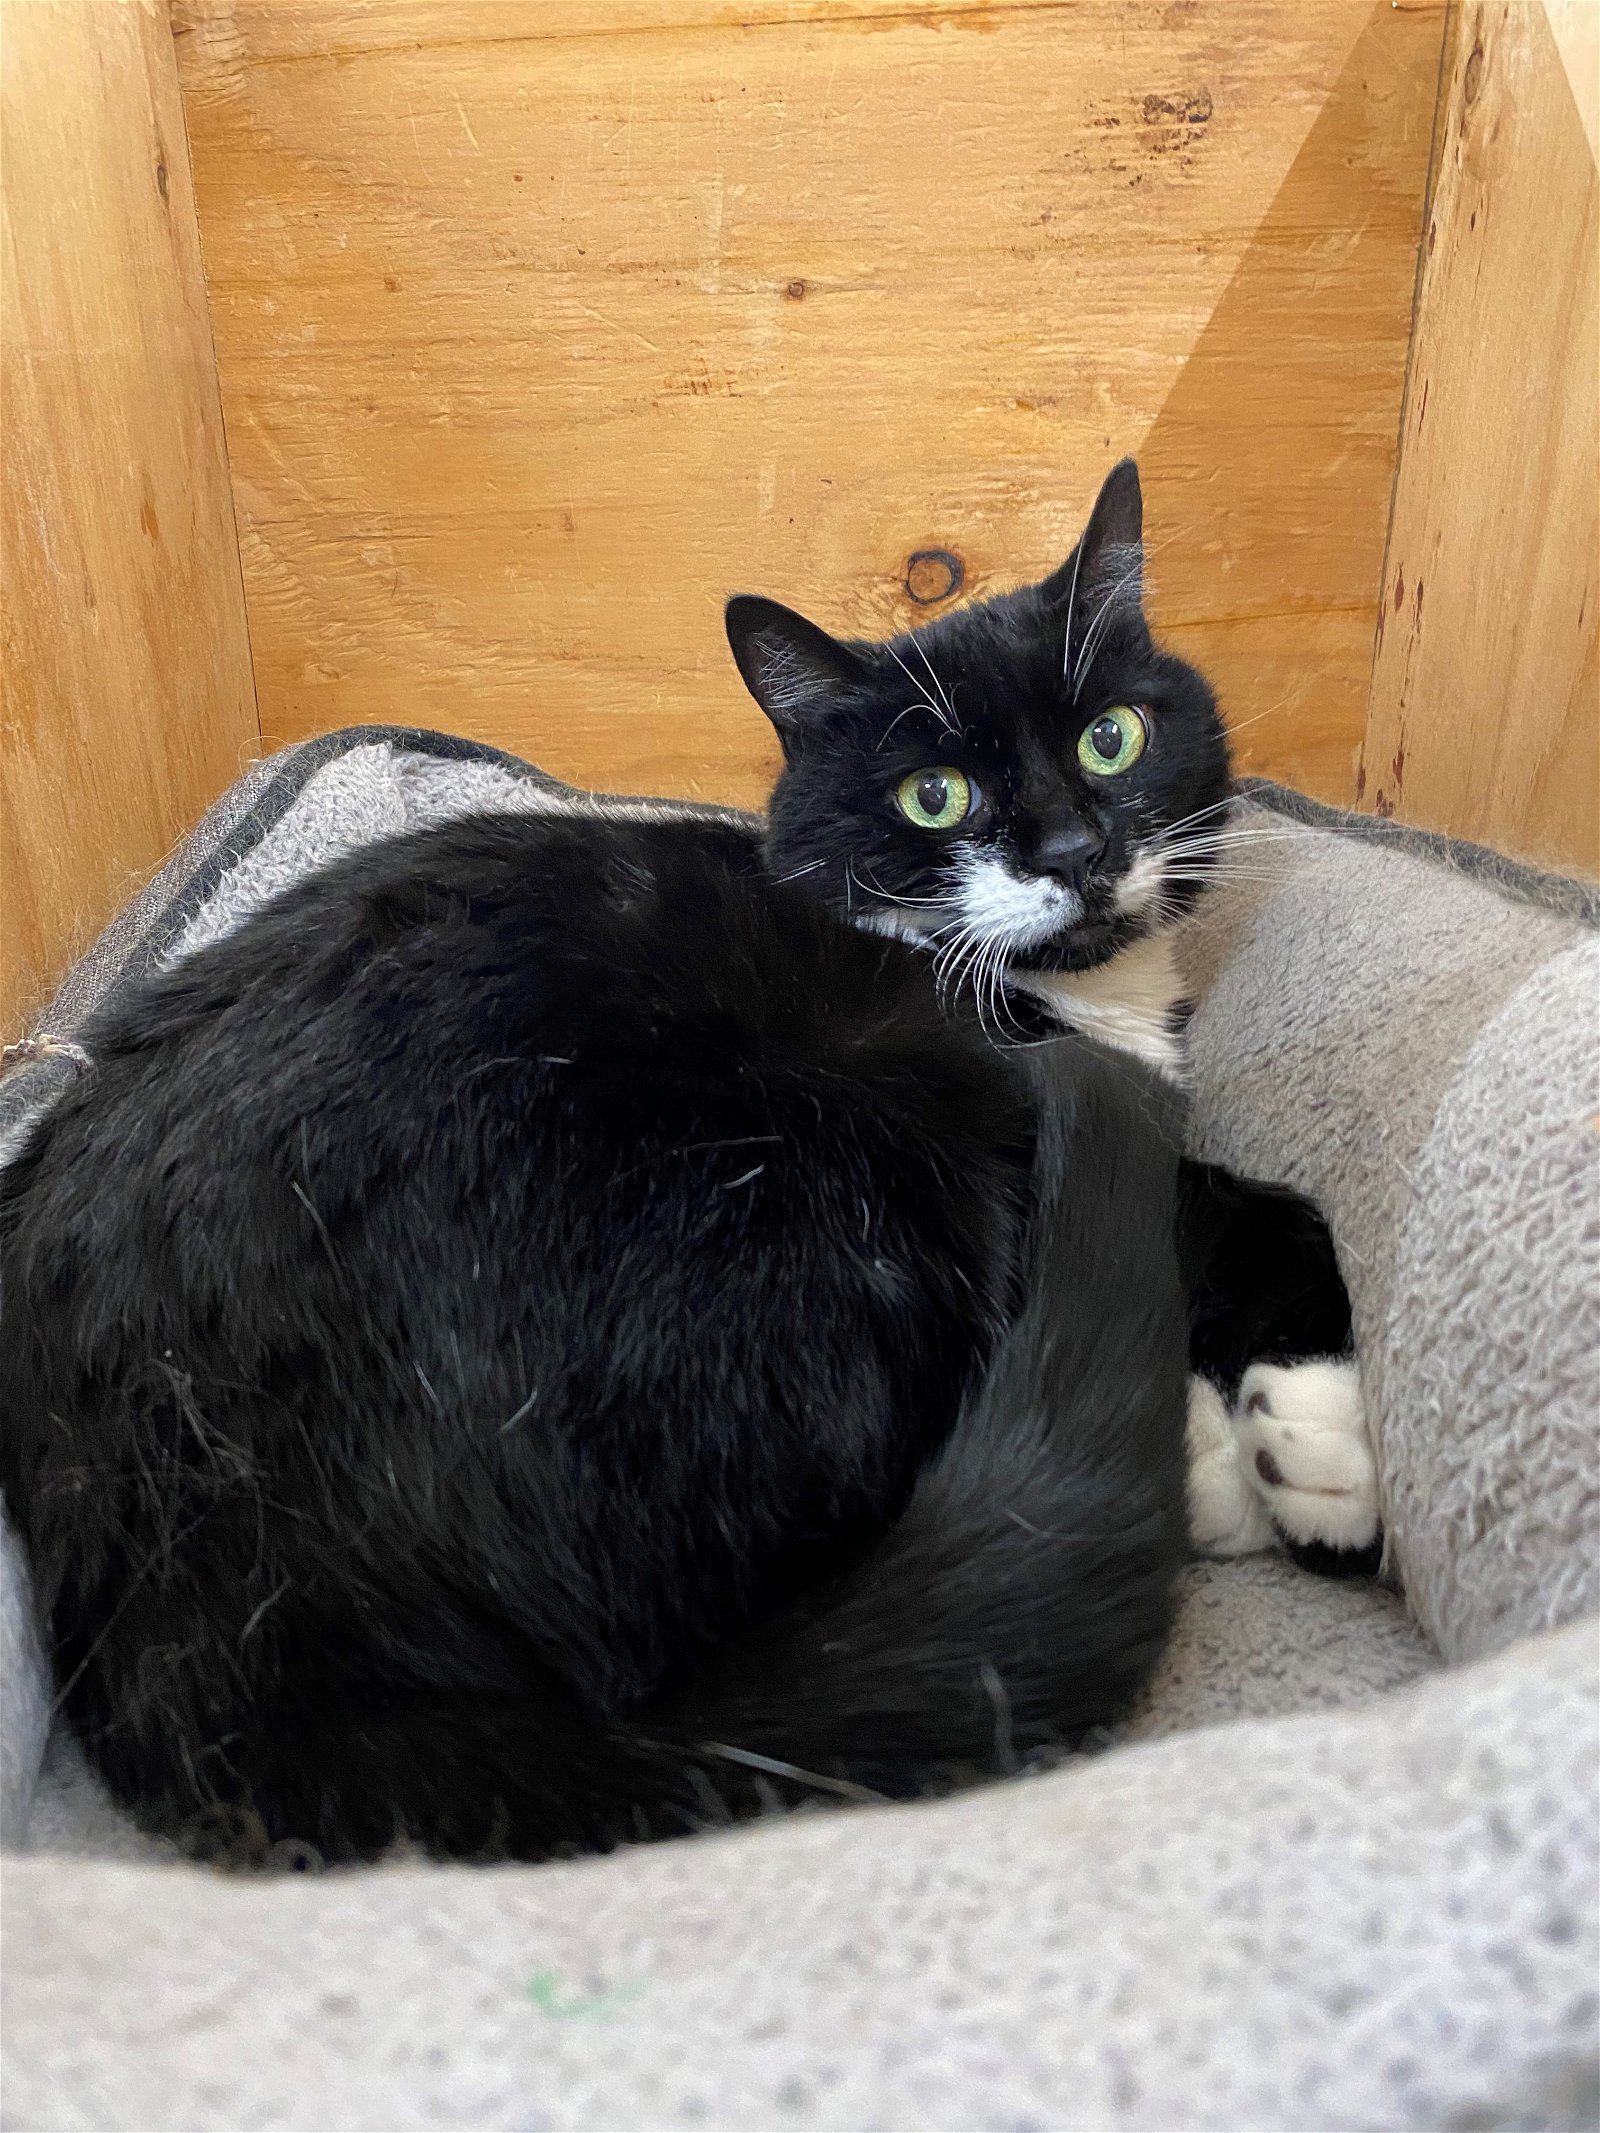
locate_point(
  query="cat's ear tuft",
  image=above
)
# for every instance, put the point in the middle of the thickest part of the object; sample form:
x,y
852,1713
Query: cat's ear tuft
x,y
796,672
1111,553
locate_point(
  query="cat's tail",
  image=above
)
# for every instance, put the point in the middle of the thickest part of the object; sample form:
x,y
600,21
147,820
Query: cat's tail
x,y
1020,1600
1024,1594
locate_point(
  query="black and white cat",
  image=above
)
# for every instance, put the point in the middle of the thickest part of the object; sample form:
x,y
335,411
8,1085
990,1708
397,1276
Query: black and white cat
x,y
1032,790
553,1332
545,1336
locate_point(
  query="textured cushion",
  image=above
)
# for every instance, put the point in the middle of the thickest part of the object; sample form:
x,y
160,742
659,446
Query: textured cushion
x,y
1315,1881
1416,1048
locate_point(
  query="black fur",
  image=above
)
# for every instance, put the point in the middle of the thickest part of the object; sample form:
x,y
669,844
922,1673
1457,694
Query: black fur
x,y
544,1336
1261,1276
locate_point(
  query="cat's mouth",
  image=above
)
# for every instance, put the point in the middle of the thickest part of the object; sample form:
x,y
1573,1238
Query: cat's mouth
x,y
1082,946
1037,921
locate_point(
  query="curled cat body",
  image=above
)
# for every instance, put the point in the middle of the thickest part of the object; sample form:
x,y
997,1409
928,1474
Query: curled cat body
x,y
1037,793
568,1328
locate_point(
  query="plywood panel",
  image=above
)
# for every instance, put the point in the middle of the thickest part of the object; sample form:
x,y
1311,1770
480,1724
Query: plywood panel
x,y
1271,465
127,697
542,329
1485,715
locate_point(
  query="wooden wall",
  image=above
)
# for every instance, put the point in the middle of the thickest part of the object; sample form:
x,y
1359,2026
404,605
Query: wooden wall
x,y
1485,714
128,703
543,326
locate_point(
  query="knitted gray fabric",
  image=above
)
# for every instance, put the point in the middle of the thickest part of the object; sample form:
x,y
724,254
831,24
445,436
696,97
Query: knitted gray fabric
x,y
1418,1052
1374,1918
1298,1892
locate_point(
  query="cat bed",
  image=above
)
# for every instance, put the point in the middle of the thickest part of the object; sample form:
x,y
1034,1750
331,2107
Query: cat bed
x,y
1340,1867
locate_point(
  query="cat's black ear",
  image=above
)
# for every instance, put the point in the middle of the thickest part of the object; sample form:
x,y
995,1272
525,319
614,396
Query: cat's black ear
x,y
1109,560
795,671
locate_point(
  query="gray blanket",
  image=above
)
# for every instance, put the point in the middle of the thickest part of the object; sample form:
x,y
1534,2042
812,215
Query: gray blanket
x,y
1339,1869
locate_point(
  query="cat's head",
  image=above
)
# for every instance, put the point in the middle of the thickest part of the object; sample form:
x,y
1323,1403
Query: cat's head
x,y
1030,778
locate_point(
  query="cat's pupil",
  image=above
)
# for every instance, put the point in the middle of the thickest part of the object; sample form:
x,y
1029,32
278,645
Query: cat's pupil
x,y
1105,738
933,793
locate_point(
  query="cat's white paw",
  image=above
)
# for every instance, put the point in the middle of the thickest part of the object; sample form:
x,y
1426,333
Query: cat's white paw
x,y
1305,1451
1226,1516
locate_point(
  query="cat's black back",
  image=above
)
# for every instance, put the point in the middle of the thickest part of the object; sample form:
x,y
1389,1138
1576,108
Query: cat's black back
x,y
525,1342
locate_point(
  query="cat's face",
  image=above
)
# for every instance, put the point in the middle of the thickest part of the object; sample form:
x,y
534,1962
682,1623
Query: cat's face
x,y
1026,782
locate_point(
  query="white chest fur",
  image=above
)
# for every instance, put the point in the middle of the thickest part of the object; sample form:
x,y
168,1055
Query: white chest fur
x,y
1129,1002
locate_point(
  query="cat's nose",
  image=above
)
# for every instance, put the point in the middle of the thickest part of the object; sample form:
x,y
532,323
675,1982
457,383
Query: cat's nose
x,y
1069,853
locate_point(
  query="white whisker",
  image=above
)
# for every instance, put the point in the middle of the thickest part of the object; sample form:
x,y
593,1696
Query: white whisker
x,y
925,699
1102,617
1072,601
939,687
1216,807
921,704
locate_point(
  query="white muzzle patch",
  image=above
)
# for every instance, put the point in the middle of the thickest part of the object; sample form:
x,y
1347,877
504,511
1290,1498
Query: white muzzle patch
x,y
1001,906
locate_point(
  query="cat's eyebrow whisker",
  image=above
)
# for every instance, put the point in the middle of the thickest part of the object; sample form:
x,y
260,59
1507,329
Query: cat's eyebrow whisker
x,y
1072,601
1098,627
795,873
939,687
1102,615
921,704
926,700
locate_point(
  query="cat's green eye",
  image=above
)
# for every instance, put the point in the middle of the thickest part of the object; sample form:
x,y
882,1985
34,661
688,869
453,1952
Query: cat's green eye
x,y
1114,742
936,799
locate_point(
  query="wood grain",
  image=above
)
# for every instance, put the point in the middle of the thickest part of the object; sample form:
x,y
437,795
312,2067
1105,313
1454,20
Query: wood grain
x,y
1271,465
1485,712
127,696
540,329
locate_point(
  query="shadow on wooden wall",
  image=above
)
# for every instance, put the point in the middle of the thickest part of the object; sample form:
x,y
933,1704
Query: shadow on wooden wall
x,y
1270,466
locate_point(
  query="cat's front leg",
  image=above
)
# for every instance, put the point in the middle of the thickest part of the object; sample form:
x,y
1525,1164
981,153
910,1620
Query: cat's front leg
x,y
1226,1515
1275,1382
1291,1459
1305,1451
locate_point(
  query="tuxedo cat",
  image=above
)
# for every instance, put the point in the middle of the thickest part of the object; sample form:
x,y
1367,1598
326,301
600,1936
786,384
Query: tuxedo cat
x,y
1032,791
545,1336
555,1332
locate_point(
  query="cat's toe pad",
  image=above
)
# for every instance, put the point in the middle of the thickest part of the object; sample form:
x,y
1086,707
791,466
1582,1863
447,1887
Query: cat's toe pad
x,y
1301,1430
